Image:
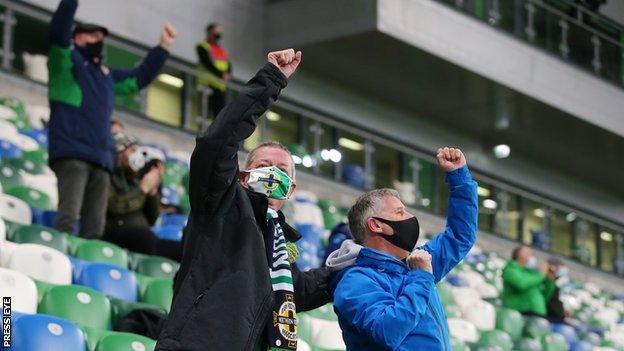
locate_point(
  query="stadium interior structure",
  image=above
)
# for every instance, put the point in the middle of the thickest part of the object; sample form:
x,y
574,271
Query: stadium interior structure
x,y
531,90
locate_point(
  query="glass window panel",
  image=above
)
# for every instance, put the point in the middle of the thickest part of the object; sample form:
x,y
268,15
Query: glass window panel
x,y
326,155
561,232
619,261
487,206
388,163
507,218
608,249
427,173
442,193
352,149
30,35
533,223
585,246
164,98
119,58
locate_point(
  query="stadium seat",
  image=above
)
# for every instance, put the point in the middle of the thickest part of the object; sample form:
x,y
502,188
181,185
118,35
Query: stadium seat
x,y
157,267
536,327
39,156
125,342
73,242
482,314
170,232
36,234
9,149
26,165
582,346
496,338
103,252
353,175
20,288
590,337
510,321
24,142
121,308
458,345
567,331
33,197
14,210
528,344
38,116
159,292
178,220
10,176
303,346
41,263
6,249
40,136
45,183
169,196
554,342
3,230
44,332
7,128
462,329
325,334
110,279
79,304
308,213
93,335
78,266
465,297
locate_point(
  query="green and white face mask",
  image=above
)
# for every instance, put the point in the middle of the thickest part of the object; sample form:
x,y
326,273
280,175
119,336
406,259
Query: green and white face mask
x,y
271,181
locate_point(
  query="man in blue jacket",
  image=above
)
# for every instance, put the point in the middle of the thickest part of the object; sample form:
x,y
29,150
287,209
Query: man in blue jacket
x,y
82,96
384,286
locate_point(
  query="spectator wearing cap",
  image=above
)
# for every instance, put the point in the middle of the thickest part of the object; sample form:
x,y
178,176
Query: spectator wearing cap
x,y
133,203
82,94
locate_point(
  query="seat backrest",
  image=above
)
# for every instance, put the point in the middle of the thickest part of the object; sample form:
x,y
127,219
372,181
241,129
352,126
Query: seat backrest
x,y
20,288
33,197
111,280
79,304
14,210
462,329
157,267
496,338
125,341
2,229
536,327
44,332
482,314
102,252
510,321
326,334
42,263
160,293
37,234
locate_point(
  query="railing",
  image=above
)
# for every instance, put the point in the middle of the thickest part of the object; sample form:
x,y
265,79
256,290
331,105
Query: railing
x,y
560,27
325,145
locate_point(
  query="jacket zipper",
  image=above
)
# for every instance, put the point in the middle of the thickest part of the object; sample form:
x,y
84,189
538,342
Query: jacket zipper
x,y
438,324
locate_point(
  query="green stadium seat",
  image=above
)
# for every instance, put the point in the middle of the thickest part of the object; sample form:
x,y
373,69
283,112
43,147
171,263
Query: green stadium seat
x,y
157,267
10,176
26,165
445,293
528,344
496,338
14,104
135,257
33,197
174,174
536,327
125,342
554,342
591,338
79,304
102,252
510,321
39,156
185,204
93,335
36,234
42,288
143,281
121,308
458,345
160,293
331,213
73,242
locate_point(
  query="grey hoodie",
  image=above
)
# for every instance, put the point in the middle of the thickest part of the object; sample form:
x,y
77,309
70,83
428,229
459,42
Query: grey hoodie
x,y
343,257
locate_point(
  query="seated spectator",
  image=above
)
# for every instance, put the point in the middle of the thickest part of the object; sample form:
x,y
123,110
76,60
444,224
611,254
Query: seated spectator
x,y
338,235
525,289
555,312
133,205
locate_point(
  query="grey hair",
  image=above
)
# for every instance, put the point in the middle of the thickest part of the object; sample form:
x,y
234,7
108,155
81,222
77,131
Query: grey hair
x,y
366,206
273,144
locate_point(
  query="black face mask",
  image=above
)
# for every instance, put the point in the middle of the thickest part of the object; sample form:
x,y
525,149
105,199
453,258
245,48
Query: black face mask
x,y
93,51
406,232
217,37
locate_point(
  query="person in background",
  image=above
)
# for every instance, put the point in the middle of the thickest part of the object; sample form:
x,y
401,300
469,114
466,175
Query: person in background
x,y
116,127
338,235
214,63
384,287
556,271
133,205
82,92
525,288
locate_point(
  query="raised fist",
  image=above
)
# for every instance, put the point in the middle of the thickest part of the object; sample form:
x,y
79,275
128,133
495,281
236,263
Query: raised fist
x,y
168,36
450,159
286,60
420,259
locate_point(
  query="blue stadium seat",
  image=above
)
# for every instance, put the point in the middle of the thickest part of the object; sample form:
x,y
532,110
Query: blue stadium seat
x,y
46,218
456,280
41,136
9,150
44,332
78,266
310,246
353,175
178,220
110,279
581,345
170,196
567,331
170,232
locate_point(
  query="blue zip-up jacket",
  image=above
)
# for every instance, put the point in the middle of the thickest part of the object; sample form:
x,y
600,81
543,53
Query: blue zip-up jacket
x,y
82,94
384,305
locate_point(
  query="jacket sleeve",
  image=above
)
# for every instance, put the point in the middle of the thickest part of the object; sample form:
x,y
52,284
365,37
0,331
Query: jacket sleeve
x,y
214,162
521,280
311,288
448,248
548,288
62,22
130,81
151,209
377,313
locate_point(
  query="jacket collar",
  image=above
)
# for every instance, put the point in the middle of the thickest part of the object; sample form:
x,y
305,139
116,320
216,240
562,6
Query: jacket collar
x,y
260,206
379,260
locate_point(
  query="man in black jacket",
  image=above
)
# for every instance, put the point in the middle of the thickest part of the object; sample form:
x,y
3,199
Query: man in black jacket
x,y
238,287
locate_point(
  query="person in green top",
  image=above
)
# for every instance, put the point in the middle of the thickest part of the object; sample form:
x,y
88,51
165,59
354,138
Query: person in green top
x,y
525,289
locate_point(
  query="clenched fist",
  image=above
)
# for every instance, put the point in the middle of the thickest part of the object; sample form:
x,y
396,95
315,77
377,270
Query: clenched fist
x,y
168,36
420,259
286,60
450,159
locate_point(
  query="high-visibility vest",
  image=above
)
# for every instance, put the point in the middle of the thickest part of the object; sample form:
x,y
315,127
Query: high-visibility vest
x,y
220,60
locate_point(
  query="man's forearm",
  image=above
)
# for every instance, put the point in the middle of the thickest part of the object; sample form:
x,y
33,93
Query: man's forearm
x,y
62,22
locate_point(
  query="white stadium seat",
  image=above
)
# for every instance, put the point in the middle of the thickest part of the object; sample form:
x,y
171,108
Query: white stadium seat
x,y
465,297
326,334
303,346
42,263
24,142
2,230
482,314
15,210
6,249
38,115
463,329
20,288
46,183
487,291
7,129
35,66
7,113
473,278
308,213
